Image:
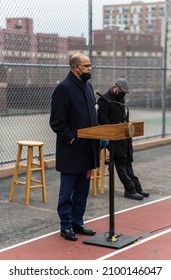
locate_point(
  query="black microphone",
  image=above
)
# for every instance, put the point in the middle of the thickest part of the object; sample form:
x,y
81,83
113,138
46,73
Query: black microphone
x,y
122,104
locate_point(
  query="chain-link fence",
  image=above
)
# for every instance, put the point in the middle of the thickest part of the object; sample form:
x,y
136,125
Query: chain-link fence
x,y
128,39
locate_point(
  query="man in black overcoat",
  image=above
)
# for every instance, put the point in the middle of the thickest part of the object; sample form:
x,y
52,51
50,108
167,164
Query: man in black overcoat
x,y
72,108
111,112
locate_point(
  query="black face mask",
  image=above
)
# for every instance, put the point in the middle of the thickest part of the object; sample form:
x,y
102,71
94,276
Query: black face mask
x,y
85,77
120,95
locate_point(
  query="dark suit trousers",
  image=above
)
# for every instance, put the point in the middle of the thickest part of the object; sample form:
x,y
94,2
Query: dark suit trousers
x,y
74,189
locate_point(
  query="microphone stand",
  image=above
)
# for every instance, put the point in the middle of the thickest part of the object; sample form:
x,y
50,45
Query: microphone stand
x,y
112,235
113,240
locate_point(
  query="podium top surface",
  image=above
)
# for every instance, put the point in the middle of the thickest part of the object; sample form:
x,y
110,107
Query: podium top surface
x,y
113,131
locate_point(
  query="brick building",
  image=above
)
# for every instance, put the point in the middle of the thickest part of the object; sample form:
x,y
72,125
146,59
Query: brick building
x,y
134,17
38,61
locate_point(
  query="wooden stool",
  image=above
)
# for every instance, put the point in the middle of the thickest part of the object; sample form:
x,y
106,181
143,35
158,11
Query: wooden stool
x,y
99,174
30,167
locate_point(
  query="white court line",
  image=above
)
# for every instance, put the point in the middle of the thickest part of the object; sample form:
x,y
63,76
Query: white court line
x,y
28,241
95,219
134,245
131,208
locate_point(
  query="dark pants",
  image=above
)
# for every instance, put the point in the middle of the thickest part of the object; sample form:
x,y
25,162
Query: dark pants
x,y
74,189
123,158
126,175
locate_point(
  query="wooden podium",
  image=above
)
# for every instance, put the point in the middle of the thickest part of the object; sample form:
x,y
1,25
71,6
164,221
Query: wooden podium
x,y
112,132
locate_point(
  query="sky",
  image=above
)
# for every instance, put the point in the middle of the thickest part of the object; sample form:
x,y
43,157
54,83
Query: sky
x,y
64,17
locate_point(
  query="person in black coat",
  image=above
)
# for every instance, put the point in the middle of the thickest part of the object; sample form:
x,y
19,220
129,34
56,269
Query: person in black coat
x,y
114,113
72,108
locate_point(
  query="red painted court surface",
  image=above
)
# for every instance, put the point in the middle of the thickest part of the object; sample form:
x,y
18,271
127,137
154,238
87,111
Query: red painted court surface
x,y
151,222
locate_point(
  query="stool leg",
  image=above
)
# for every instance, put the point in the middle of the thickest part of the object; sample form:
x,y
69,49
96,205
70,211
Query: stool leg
x,y
103,157
97,177
12,192
28,175
42,174
94,181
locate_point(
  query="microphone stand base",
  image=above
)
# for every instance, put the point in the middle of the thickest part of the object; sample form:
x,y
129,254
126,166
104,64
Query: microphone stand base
x,y
118,241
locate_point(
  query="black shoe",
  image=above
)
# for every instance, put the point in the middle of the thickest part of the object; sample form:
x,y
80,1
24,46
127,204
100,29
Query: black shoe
x,y
145,194
68,234
83,230
135,196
